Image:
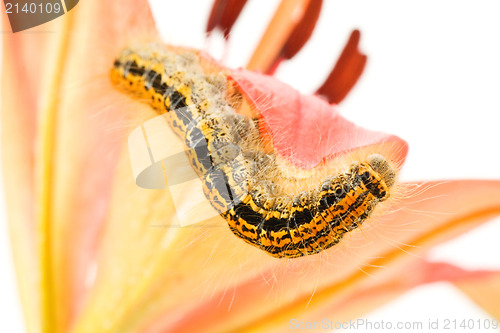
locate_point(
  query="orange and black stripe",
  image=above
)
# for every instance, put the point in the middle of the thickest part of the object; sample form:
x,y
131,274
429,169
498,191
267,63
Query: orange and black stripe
x,y
283,226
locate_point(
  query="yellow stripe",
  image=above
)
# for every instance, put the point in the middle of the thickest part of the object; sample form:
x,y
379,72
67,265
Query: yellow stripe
x,y
45,178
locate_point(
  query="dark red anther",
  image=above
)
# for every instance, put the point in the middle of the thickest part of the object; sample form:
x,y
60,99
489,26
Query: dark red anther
x,y
345,73
300,34
223,15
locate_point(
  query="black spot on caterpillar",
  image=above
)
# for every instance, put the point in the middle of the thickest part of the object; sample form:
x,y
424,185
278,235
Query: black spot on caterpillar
x,y
240,178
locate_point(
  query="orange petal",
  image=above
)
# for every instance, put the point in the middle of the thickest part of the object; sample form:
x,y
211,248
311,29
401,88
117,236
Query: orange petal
x,y
154,276
76,149
481,286
86,147
345,73
352,278
484,291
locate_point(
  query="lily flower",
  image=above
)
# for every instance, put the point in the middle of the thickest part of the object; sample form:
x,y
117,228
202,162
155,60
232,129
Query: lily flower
x,y
95,253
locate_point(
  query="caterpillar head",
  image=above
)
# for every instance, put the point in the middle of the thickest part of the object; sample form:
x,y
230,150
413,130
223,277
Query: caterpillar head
x,y
381,166
376,174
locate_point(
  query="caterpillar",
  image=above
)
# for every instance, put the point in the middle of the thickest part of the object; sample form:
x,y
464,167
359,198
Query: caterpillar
x,y
240,178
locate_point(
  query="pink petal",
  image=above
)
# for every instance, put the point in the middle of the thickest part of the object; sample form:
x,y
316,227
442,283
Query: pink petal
x,y
306,129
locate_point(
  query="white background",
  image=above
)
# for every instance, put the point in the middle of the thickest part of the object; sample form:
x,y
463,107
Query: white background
x,y
433,78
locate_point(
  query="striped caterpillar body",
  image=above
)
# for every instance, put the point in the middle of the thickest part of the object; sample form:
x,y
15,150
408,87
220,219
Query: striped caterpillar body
x,y
223,148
